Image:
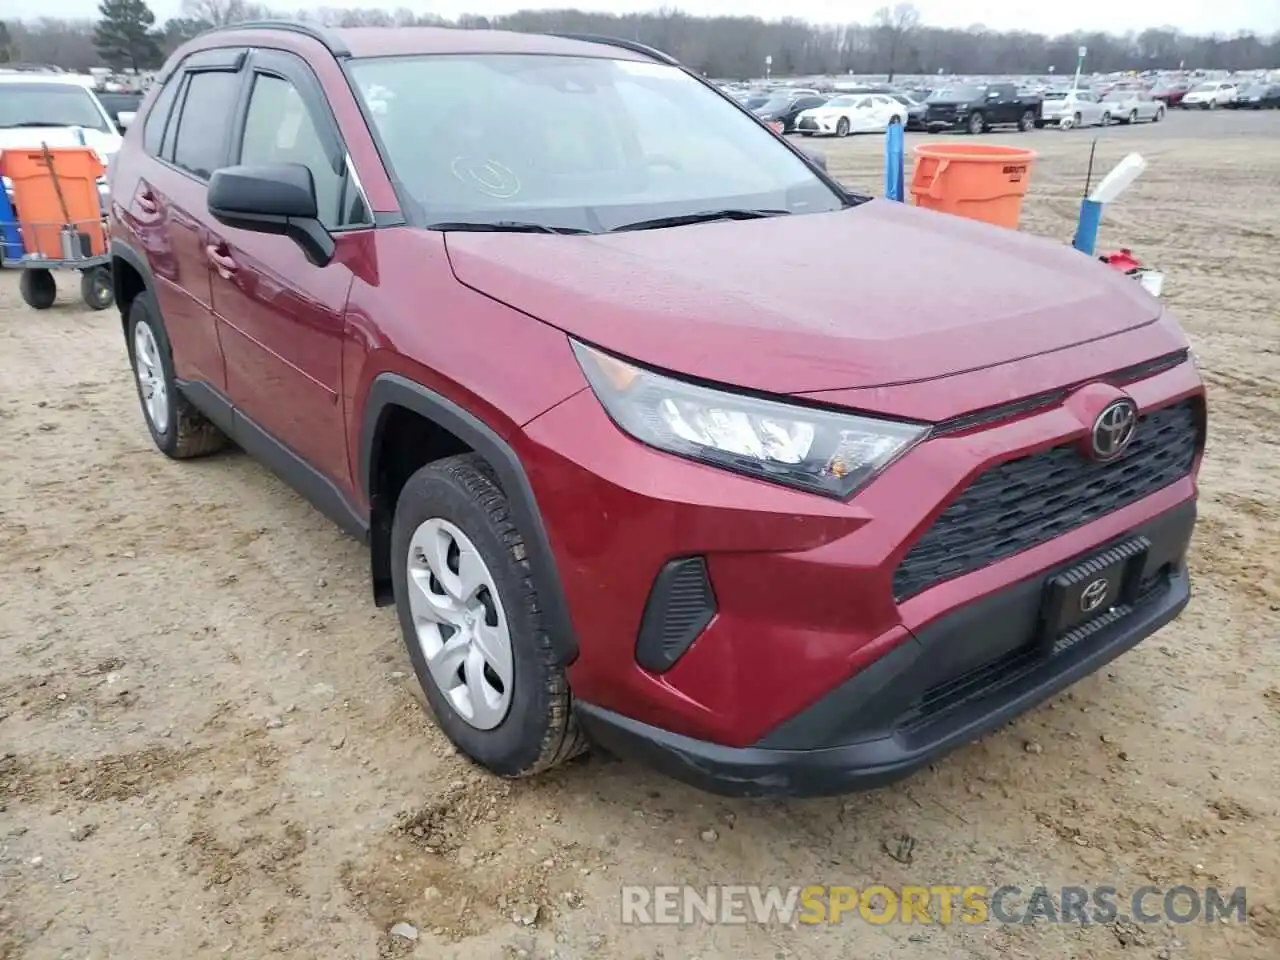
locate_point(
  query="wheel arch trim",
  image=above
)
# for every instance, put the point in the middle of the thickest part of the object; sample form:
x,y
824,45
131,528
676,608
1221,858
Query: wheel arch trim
x,y
393,390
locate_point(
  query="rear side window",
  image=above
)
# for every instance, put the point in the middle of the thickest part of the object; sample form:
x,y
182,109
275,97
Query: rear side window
x,y
204,124
158,116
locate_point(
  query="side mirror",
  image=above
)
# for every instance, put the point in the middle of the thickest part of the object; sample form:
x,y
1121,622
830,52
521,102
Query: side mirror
x,y
819,160
123,119
276,198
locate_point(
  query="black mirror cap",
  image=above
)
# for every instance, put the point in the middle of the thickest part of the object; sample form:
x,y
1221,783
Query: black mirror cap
x,y
277,198
256,197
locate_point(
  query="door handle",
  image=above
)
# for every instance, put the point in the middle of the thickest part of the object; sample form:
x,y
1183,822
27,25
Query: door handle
x,y
221,260
147,203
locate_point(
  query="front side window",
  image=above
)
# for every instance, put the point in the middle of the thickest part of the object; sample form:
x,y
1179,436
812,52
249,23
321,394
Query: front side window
x,y
280,129
573,142
49,105
201,138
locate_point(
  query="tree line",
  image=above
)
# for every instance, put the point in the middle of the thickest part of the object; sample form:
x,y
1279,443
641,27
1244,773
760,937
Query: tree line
x,y
126,35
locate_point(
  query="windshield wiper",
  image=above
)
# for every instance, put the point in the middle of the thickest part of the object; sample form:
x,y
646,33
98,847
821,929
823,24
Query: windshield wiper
x,y
706,216
503,226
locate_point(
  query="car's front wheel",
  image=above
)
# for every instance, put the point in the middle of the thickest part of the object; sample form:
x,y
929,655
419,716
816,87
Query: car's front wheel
x,y
1027,121
977,123
842,127
473,623
178,428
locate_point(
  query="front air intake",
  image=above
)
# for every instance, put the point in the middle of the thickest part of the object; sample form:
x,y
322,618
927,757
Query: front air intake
x,y
680,606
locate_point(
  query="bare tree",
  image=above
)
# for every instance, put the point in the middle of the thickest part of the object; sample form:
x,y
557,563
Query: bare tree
x,y
219,13
895,26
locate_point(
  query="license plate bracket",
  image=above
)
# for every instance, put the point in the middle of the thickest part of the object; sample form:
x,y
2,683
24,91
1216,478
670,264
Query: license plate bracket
x,y
1092,587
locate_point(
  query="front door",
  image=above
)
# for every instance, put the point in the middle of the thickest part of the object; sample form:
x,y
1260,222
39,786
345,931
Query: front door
x,y
281,318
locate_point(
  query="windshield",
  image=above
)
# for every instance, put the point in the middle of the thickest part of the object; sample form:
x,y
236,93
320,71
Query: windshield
x,y
841,102
755,101
577,143
961,92
49,105
1204,88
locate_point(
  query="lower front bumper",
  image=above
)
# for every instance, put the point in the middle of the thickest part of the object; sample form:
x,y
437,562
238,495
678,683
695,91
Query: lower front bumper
x,y
925,697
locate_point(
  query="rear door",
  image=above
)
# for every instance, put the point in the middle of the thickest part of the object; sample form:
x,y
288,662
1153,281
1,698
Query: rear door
x,y
187,133
280,317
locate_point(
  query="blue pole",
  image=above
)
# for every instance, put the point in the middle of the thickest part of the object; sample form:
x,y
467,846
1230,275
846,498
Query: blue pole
x,y
1086,240
894,160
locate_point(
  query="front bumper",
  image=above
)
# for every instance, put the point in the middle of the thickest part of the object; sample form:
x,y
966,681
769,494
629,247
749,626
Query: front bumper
x,y
958,678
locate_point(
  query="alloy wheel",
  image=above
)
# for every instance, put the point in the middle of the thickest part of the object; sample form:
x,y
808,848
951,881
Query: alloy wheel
x,y
150,374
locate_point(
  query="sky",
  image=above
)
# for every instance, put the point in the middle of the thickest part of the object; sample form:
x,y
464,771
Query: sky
x,y
1042,16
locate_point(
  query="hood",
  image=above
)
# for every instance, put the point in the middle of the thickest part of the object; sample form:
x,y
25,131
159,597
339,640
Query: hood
x,y
25,138
812,302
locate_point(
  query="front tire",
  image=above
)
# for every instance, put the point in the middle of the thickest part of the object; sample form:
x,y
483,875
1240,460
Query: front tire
x,y
473,623
1106,119
977,123
179,430
842,127
1027,122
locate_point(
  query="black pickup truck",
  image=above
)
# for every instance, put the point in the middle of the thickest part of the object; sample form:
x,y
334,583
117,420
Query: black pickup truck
x,y
976,108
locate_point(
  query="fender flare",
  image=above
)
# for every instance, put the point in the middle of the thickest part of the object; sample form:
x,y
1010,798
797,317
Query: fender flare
x,y
390,389
123,251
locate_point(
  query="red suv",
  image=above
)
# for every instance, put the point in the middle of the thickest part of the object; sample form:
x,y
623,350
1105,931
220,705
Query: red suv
x,y
656,434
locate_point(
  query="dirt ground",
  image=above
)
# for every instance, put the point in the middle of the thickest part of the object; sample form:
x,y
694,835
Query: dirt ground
x,y
212,744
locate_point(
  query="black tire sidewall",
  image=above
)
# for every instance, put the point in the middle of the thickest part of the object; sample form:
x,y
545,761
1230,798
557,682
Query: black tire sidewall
x,y
516,743
842,127
90,281
143,308
976,128
38,288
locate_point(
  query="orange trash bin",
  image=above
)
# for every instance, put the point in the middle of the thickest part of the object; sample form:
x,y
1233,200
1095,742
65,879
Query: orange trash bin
x,y
36,203
980,181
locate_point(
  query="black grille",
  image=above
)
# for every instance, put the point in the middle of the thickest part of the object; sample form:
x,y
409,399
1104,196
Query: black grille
x,y
807,123
680,606
1021,503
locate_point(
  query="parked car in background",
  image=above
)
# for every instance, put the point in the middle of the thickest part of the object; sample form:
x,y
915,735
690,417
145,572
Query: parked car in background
x,y
1170,94
976,108
1210,95
1128,105
917,110
855,113
1072,108
785,109
121,107
1258,96
54,109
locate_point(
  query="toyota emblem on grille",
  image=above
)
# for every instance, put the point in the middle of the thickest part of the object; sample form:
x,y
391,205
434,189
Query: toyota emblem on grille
x,y
1114,428
1091,597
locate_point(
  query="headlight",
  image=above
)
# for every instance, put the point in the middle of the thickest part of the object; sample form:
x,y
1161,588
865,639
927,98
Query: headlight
x,y
821,451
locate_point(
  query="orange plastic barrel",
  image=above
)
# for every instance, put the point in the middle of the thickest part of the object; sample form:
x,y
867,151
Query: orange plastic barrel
x,y
40,214
975,180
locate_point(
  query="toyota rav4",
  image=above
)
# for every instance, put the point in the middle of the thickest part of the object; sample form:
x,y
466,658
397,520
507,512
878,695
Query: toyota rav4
x,y
654,437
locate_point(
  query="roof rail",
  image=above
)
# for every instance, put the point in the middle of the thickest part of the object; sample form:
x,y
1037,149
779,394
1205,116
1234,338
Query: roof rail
x,y
635,46
331,40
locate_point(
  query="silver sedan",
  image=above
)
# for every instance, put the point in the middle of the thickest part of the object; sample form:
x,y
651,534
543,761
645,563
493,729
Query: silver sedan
x,y
1131,106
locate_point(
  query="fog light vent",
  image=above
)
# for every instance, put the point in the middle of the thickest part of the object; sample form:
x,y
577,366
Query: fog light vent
x,y
680,606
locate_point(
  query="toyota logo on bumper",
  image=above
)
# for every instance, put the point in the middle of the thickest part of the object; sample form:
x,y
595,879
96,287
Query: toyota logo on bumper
x,y
1091,597
1113,430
